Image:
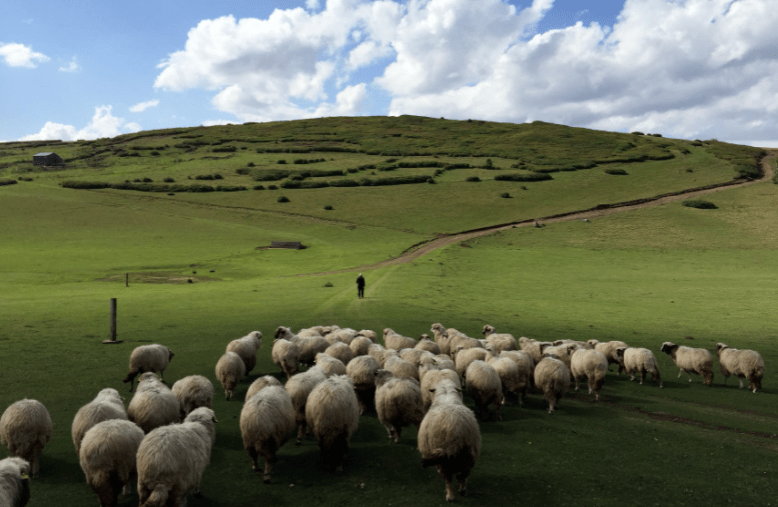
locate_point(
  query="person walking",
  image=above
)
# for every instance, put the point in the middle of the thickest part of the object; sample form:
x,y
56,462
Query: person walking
x,y
360,286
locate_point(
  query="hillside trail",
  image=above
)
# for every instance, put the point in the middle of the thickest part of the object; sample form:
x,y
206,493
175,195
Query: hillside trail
x,y
425,248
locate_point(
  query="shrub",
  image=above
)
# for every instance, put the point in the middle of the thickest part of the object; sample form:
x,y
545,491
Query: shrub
x,y
22,178
505,195
474,179
431,181
250,164
656,135
269,174
155,153
230,188
6,181
272,187
282,161
259,187
344,183
619,172
224,149
329,284
84,185
328,207
169,180
283,198
488,164
534,176
243,171
699,204
636,133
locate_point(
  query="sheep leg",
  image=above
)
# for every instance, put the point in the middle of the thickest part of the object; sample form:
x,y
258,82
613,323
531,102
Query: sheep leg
x,y
590,384
497,410
253,454
462,477
741,382
448,479
576,384
269,460
300,433
398,430
642,377
389,430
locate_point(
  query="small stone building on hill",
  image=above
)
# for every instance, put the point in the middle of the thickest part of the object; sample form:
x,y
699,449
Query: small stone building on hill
x,y
47,158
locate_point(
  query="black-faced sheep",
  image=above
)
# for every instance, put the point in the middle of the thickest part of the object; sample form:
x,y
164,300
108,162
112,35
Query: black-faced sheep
x,y
246,348
485,387
147,358
593,366
299,388
14,482
106,405
741,363
230,368
153,405
361,370
193,392
332,413
25,428
171,459
552,377
398,403
449,438
286,355
107,457
690,360
266,421
500,341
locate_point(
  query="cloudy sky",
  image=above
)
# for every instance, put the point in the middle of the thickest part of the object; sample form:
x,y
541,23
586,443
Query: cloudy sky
x,y
84,69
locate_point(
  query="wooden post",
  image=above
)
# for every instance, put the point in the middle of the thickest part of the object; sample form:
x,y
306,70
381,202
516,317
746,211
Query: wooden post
x,y
126,279
113,323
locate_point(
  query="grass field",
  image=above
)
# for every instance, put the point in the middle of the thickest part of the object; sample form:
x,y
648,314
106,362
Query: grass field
x,y
668,273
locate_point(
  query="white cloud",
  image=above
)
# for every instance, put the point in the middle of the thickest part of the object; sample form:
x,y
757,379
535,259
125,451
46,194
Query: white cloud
x,y
211,123
142,106
312,4
19,55
103,124
73,66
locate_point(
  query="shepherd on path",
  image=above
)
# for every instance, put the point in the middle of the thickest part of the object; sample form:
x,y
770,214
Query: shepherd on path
x,y
360,286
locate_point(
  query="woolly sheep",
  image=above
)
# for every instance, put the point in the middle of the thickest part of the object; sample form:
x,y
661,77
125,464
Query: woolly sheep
x,y
608,349
444,362
484,386
376,351
360,345
398,403
266,421
509,374
592,365
463,358
637,360
463,342
329,364
395,341
14,482
171,459
344,336
286,355
246,348
106,405
533,348
414,355
449,438
340,351
332,413
309,345
299,388
361,370
431,378
526,369
107,457
552,377
562,352
369,334
311,331
500,341
153,405
442,339
261,383
229,370
741,363
690,360
400,367
425,343
579,344
147,358
25,428
193,392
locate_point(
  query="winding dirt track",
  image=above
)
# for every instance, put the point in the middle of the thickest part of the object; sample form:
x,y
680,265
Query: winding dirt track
x,y
422,249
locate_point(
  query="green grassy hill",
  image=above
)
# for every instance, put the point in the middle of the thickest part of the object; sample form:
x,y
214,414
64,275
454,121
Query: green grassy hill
x,y
668,273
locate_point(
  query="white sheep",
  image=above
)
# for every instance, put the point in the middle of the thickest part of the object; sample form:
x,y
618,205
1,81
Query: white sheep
x,y
690,360
562,352
171,459
344,336
500,341
741,363
299,388
463,358
608,349
393,340
430,376
510,376
369,334
592,365
286,355
360,345
462,342
25,428
376,351
193,392
153,404
266,421
552,377
638,360
311,331
485,387
414,355
107,457
14,482
361,370
261,383
246,348
533,348
309,345
398,403
399,367
329,364
106,405
441,339
230,368
426,343
332,413
444,362
340,351
449,438
147,358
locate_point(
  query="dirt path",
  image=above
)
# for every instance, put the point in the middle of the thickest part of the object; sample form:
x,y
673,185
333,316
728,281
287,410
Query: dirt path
x,y
422,249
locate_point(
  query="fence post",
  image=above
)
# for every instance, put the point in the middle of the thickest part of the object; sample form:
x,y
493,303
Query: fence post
x,y
113,323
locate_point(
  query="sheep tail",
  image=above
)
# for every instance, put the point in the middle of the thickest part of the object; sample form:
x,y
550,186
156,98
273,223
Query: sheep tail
x,y
158,496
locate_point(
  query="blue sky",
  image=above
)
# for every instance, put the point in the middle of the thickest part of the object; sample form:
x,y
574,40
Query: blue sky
x,y
685,68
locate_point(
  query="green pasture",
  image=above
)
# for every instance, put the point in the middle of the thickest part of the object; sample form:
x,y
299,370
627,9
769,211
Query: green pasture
x,y
667,273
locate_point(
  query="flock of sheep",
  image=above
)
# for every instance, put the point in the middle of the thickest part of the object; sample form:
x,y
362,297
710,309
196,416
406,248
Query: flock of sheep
x,y
165,435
